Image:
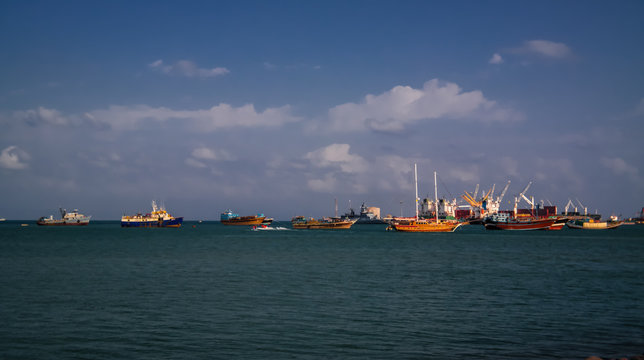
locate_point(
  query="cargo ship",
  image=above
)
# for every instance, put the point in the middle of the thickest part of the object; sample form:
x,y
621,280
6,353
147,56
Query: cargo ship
x,y
159,217
72,218
230,218
334,223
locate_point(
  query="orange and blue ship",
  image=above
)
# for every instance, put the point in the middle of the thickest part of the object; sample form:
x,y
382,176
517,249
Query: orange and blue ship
x,y
159,217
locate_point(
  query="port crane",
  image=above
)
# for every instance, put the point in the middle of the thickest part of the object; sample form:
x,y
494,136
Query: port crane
x,y
522,196
582,205
505,189
568,205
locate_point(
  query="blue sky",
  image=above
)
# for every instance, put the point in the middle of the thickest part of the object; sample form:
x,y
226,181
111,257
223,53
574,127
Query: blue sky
x,y
281,107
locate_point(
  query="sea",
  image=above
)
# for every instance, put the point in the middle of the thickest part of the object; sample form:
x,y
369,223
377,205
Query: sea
x,y
209,291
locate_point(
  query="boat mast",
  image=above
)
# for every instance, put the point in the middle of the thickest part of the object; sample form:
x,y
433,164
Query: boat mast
x,y
416,184
436,196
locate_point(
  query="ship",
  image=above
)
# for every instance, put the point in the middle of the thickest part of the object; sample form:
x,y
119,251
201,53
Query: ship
x,y
426,225
230,218
72,218
368,215
591,224
333,223
159,217
505,221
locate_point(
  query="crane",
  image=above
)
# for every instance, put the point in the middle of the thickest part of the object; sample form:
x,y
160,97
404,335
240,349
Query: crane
x,y
476,191
520,196
582,205
568,205
505,189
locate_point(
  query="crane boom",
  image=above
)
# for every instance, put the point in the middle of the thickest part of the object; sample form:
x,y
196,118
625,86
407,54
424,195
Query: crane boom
x,y
505,189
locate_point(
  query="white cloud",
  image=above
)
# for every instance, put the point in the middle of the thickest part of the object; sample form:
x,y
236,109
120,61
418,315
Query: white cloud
x,y
218,117
205,153
42,115
404,105
618,166
12,157
546,48
496,59
325,185
187,68
337,155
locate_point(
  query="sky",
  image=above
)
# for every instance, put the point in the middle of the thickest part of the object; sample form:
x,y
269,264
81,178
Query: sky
x,y
285,107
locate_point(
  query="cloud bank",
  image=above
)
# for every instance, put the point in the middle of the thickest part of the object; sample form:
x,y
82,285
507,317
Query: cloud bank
x,y
402,106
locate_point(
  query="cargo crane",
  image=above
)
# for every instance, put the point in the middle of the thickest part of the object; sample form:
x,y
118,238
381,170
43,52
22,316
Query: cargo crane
x,y
582,205
505,189
520,196
568,205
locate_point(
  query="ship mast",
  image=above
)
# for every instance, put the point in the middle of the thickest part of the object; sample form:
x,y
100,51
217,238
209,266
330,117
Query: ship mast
x,y
436,196
416,184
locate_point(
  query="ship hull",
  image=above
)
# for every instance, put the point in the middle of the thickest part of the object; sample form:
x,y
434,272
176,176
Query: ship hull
x,y
605,225
172,223
63,223
322,226
539,224
244,220
414,226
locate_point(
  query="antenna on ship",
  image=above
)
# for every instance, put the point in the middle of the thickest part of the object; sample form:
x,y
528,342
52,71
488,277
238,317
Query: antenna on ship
x,y
436,195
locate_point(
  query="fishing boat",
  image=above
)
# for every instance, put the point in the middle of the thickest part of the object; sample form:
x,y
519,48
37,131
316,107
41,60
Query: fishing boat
x,y
426,225
159,217
230,218
505,221
590,224
334,223
72,218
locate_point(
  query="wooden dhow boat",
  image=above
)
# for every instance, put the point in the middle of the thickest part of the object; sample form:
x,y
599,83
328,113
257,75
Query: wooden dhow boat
x,y
503,221
425,225
301,222
230,218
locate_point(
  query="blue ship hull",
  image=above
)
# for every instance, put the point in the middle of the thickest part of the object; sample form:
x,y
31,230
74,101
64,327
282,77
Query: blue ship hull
x,y
176,222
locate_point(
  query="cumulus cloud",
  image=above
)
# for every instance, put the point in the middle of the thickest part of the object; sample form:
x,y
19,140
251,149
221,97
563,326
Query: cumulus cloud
x,y
13,158
42,115
496,59
545,48
187,68
618,166
324,185
337,155
404,105
202,154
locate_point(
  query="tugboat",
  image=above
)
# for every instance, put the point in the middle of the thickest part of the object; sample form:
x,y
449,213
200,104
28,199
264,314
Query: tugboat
x,y
159,217
73,218
230,218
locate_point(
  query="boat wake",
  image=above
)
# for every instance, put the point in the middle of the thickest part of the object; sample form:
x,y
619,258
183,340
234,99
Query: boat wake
x,y
268,228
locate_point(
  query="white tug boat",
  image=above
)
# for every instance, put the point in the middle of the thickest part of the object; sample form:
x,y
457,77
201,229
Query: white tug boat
x,y
72,218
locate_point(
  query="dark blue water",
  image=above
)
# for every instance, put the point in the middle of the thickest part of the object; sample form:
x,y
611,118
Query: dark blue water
x,y
210,291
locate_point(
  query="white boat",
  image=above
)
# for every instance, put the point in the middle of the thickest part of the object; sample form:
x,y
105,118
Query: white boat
x,y
268,228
